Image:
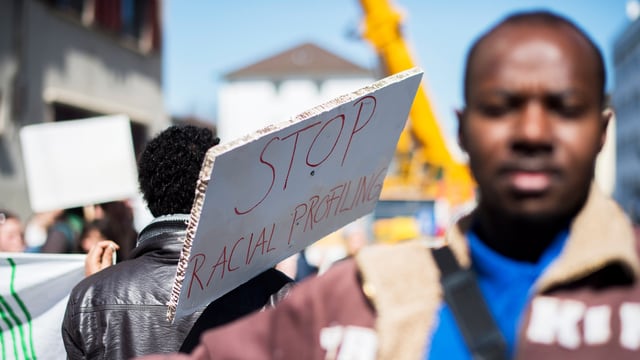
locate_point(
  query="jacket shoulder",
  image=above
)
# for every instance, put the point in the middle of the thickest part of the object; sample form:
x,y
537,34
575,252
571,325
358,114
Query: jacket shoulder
x,y
294,328
402,282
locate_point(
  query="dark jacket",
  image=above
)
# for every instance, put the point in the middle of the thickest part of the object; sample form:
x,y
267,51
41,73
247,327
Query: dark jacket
x,y
262,291
383,304
121,311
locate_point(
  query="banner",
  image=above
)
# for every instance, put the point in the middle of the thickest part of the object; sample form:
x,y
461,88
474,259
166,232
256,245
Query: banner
x,y
271,193
34,289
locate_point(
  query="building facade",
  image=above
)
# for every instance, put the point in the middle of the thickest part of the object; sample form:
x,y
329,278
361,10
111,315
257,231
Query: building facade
x,y
73,59
626,103
281,86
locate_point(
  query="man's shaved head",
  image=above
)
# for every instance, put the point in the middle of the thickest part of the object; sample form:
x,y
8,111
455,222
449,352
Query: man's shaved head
x,y
536,19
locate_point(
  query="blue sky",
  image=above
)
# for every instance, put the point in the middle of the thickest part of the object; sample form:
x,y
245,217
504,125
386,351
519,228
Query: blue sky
x,y
204,39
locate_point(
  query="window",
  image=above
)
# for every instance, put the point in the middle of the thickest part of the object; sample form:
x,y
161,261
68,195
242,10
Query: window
x,y
72,6
132,15
133,19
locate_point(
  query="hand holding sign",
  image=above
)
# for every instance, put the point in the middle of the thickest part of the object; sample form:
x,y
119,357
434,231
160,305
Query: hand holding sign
x,y
270,194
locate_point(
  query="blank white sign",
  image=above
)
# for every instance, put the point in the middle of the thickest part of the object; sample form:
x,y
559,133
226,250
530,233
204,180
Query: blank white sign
x,y
79,162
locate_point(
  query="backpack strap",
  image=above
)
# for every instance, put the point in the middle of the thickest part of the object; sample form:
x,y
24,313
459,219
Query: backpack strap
x,y
462,294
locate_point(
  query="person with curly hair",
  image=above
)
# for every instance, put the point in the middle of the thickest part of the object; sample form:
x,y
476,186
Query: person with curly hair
x,y
119,312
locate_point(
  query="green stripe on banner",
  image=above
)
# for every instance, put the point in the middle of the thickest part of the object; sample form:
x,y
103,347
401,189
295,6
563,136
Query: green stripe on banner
x,y
26,312
4,352
25,350
4,317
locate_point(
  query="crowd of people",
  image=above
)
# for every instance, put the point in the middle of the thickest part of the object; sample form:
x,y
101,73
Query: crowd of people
x,y
545,266
70,231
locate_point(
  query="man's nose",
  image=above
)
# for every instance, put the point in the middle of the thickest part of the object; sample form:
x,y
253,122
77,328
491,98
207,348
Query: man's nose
x,y
533,128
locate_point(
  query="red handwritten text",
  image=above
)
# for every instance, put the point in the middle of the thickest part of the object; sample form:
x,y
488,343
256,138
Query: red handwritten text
x,y
317,152
230,259
339,199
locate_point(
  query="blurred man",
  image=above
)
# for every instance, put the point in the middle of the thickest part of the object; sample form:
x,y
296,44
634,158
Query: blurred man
x,y
120,311
555,258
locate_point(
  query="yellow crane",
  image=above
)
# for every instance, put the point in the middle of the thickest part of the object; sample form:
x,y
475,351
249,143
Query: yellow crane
x,y
425,167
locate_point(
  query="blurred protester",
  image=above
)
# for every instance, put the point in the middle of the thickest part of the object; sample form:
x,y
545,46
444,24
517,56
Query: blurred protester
x,y
11,233
95,240
36,229
63,235
545,267
117,224
357,235
120,216
94,232
304,268
132,296
323,254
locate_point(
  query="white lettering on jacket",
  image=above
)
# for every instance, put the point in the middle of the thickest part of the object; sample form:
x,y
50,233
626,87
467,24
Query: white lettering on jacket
x,y
555,320
558,321
630,322
349,343
597,329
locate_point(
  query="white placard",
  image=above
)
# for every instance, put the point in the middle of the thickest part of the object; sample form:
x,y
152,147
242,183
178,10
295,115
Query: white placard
x,y
270,194
79,162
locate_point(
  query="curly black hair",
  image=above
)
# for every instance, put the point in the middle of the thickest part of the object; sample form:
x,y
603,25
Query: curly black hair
x,y
169,166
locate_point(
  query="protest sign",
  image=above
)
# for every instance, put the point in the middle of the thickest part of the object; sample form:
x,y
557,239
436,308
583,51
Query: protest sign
x,y
268,195
34,289
79,162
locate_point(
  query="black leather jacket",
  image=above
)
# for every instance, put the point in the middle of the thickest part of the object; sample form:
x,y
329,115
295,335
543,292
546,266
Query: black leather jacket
x,y
120,312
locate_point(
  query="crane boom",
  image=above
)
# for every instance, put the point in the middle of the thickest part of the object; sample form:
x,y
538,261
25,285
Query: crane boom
x,y
382,28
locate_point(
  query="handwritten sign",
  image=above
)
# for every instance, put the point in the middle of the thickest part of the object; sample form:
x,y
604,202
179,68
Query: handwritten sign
x,y
79,162
270,194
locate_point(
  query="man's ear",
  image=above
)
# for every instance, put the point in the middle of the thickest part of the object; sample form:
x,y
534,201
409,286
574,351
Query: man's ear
x,y
462,141
605,119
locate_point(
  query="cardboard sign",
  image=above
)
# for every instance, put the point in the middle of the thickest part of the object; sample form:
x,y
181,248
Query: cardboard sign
x,y
270,194
79,162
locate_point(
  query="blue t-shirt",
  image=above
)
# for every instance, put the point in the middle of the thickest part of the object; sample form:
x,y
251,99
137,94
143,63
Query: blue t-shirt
x,y
505,284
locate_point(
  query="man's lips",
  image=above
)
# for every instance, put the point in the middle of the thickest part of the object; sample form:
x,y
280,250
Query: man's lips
x,y
530,181
529,177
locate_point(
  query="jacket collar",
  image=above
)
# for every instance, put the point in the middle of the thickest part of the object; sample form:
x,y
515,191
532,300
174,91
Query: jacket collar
x,y
601,235
163,224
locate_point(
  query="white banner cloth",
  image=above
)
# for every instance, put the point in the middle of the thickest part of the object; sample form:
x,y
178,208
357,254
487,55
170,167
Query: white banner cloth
x,y
34,289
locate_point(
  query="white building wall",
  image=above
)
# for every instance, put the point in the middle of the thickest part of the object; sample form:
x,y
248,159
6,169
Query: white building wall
x,y
294,97
335,87
246,106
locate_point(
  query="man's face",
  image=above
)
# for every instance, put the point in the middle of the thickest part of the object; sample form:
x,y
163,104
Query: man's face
x,y
533,124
